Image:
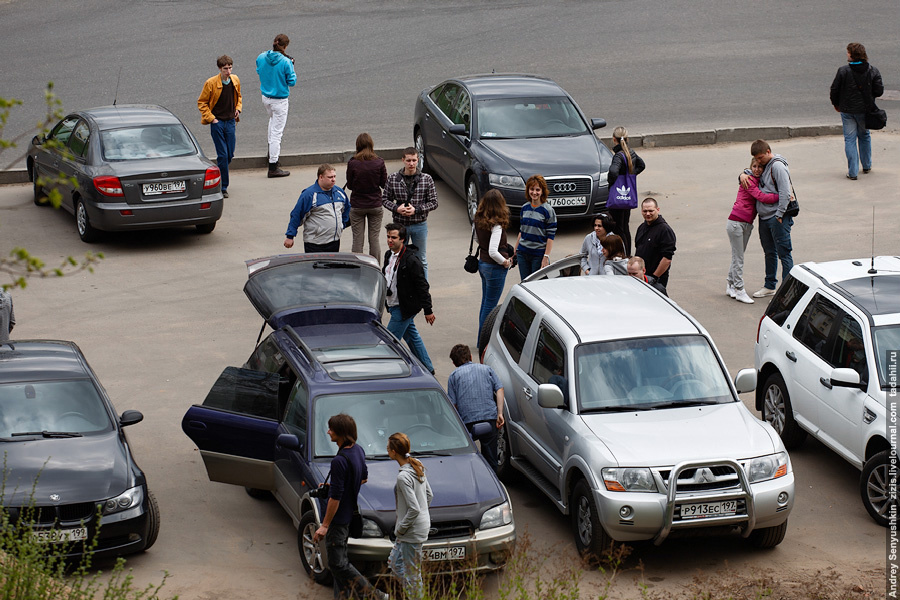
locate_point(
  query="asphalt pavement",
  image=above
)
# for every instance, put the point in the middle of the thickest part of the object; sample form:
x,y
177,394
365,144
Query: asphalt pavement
x,y
164,313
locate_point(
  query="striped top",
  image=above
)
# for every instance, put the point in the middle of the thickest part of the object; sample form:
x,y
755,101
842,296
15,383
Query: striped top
x,y
536,225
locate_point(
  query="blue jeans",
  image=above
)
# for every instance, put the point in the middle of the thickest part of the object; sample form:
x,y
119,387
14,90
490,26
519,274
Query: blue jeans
x,y
488,443
529,263
406,563
418,234
405,329
775,239
855,130
224,140
348,582
493,277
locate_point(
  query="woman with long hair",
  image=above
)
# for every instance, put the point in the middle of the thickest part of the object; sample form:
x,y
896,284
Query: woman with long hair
x,y
413,495
537,228
614,250
494,255
624,158
366,176
593,259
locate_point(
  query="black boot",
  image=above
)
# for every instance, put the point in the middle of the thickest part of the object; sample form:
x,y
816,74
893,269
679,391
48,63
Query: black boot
x,y
275,170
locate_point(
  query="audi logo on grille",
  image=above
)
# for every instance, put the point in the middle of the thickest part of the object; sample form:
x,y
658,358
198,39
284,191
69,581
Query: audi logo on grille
x,y
564,187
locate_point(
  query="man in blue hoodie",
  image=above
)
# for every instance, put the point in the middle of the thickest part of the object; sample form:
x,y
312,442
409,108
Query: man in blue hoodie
x,y
276,77
323,210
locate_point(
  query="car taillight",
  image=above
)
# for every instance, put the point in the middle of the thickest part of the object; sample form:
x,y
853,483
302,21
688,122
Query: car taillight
x,y
758,327
108,186
212,178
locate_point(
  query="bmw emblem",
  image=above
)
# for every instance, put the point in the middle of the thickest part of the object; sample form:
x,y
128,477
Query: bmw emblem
x,y
54,497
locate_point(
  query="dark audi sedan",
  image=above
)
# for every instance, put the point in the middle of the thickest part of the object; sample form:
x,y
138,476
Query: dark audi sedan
x,y
127,167
68,465
495,131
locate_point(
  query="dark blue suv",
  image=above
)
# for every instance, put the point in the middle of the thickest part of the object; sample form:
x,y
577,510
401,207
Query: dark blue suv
x,y
264,426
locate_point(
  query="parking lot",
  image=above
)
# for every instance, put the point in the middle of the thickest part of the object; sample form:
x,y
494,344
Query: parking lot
x,y
164,313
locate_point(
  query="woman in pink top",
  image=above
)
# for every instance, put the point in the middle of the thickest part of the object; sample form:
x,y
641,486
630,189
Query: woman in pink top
x,y
739,227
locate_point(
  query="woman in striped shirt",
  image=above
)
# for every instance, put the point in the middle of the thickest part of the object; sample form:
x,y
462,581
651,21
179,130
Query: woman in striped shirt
x,y
537,228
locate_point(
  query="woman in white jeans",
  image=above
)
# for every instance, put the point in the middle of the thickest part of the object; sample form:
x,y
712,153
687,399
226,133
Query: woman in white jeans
x,y
276,76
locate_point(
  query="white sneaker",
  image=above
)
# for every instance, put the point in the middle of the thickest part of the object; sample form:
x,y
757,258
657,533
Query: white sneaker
x,y
729,289
741,296
763,292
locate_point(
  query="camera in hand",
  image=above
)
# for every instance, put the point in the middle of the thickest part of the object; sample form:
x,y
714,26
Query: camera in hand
x,y
321,491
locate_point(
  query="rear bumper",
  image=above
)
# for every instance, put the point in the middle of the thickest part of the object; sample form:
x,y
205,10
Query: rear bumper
x,y
108,216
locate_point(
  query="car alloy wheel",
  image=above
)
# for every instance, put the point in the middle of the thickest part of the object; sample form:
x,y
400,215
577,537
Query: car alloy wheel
x,y
472,197
420,148
874,487
86,231
778,413
591,539
310,551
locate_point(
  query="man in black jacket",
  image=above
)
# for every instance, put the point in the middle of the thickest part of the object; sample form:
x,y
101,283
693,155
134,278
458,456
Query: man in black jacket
x,y
407,291
655,242
853,90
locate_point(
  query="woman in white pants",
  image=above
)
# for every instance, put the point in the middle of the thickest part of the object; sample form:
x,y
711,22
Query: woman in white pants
x,y
276,77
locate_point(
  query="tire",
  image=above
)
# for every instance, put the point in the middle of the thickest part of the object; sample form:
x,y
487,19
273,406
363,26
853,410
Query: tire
x,y
591,539
206,228
505,471
486,328
86,231
424,165
153,515
768,537
310,553
40,198
473,195
258,493
778,413
874,488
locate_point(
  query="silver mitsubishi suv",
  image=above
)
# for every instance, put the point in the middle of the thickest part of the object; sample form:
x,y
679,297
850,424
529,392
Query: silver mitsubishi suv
x,y
827,351
620,409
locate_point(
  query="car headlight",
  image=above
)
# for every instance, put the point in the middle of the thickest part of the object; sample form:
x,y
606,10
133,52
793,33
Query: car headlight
x,y
628,479
124,501
604,178
497,516
371,529
507,181
763,468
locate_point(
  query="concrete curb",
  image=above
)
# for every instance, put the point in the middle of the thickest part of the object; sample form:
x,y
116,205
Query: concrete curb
x,y
648,140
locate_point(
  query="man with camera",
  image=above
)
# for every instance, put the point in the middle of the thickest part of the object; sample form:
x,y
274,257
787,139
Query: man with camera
x,y
407,291
348,473
410,195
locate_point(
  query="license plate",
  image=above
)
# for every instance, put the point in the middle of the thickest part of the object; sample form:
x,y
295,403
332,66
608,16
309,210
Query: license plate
x,y
169,187
446,553
568,201
708,509
59,536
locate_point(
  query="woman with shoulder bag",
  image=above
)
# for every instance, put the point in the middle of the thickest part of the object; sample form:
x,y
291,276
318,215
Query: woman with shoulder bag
x,y
625,160
413,495
494,252
853,93
366,176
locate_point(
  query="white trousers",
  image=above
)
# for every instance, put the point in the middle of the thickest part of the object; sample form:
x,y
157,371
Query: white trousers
x,y
278,111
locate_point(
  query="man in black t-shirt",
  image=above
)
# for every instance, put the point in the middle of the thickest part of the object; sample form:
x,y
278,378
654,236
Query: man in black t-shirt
x,y
220,105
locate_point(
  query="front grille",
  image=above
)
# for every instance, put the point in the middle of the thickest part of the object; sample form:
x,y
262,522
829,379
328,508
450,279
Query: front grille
x,y
719,477
49,515
450,529
569,186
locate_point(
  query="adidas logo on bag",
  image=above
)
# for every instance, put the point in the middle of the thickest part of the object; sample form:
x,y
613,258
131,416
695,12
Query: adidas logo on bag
x,y
624,192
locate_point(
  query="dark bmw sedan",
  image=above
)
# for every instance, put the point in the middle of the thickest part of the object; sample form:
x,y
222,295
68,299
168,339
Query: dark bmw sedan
x,y
495,131
68,465
128,167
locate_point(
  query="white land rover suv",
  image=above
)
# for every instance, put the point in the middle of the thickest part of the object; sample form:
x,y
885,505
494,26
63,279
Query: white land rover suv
x,y
620,409
823,357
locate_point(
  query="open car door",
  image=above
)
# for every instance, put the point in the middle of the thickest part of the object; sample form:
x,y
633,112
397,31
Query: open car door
x,y
236,427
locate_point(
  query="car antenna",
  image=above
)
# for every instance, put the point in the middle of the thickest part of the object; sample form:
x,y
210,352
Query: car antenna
x,y
872,270
118,79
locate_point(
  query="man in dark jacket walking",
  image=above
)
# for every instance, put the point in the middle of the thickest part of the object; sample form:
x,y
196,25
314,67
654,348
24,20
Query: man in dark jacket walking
x,y
407,291
854,89
655,242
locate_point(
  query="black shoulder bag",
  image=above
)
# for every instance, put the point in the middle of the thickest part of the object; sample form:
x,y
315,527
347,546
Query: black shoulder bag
x,y
471,265
793,207
876,118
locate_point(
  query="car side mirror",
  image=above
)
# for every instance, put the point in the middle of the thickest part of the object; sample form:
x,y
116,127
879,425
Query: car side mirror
x,y
130,417
846,378
289,441
598,123
458,130
550,396
745,381
37,140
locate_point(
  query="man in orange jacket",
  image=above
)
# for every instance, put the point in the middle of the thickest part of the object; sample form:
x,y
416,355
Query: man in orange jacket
x,y
220,105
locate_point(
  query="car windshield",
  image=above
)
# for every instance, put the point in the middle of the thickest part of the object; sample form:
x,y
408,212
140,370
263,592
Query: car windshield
x,y
426,416
887,340
649,373
137,143
506,118
52,407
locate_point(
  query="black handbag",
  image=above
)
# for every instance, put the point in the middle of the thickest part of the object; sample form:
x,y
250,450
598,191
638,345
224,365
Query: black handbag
x,y
793,207
876,118
471,265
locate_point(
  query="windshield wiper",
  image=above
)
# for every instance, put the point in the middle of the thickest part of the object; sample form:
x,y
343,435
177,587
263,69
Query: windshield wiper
x,y
618,408
430,453
47,434
331,265
378,457
681,403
